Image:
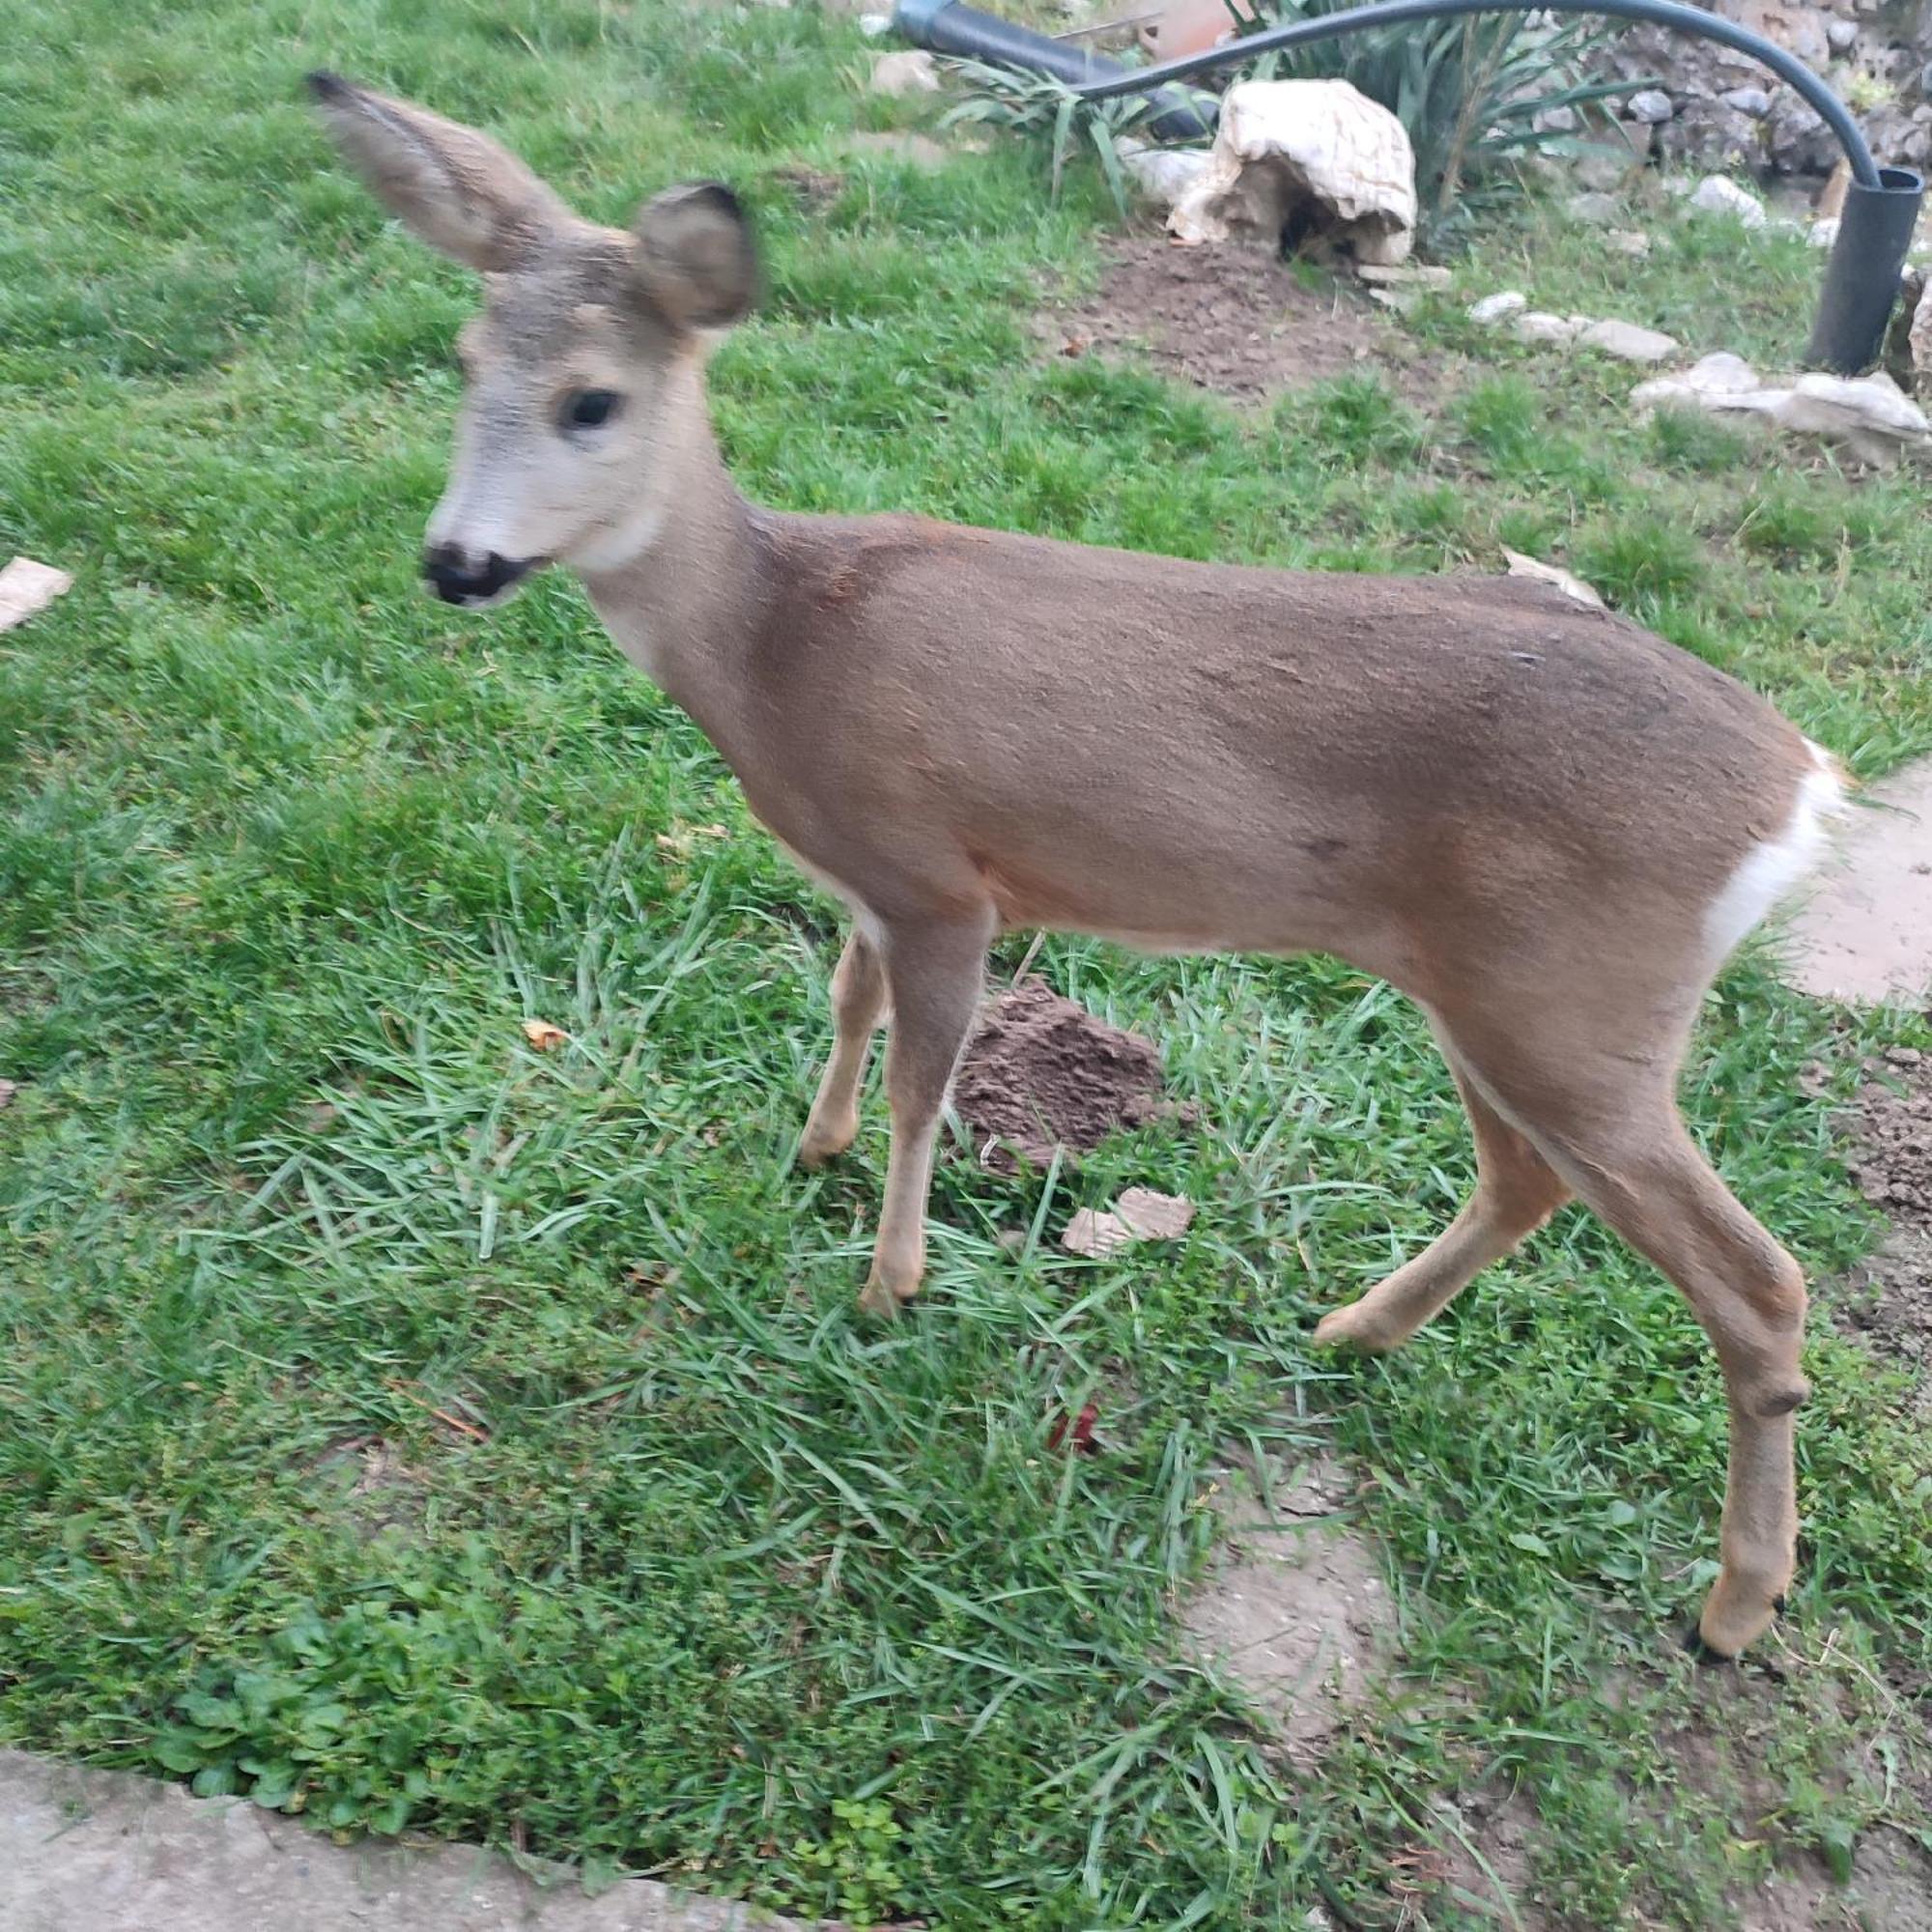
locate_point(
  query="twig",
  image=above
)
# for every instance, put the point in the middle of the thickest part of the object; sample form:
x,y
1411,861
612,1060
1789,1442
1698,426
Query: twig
x,y
442,1415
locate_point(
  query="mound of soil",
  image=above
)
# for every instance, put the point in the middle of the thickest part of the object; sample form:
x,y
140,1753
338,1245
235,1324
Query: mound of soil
x,y
1043,1074
1890,1301
1236,319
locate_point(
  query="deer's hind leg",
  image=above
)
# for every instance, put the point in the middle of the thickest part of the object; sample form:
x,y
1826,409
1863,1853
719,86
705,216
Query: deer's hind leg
x,y
1517,1191
1607,1123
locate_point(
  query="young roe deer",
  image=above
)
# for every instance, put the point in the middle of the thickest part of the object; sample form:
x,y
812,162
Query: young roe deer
x,y
1542,824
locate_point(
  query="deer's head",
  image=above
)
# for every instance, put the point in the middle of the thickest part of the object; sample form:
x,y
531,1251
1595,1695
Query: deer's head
x,y
590,341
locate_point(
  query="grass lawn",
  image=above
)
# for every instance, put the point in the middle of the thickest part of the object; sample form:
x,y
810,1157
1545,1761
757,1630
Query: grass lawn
x,y
408,1426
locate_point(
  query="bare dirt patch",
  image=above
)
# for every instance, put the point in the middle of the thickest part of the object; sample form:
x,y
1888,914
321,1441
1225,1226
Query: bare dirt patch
x,y
1724,1747
1239,320
378,1488
1888,1299
1044,1074
1295,1611
1478,1858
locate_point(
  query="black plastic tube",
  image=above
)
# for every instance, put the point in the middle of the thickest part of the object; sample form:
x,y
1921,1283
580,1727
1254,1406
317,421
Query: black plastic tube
x,y
1787,67
948,27
1861,279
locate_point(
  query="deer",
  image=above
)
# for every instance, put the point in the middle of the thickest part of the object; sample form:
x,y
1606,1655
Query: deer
x,y
1541,823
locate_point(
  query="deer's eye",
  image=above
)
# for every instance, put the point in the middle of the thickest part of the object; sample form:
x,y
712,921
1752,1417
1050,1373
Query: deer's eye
x,y
589,409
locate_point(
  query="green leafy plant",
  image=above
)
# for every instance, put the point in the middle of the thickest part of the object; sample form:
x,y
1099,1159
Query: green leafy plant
x,y
859,1860
1025,103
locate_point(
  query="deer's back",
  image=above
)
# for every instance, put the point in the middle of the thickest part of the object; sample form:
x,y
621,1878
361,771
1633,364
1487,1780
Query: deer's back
x,y
1275,731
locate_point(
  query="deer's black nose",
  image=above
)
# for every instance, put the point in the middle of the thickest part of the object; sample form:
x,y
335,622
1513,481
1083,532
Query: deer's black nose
x,y
458,577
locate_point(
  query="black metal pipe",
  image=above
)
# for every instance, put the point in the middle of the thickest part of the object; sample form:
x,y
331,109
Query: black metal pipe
x,y
1787,67
1861,279
948,27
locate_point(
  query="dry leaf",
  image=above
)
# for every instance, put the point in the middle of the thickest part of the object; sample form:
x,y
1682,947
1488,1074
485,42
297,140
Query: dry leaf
x,y
543,1035
677,841
1154,1217
1090,1232
27,586
1140,1214
1573,587
1083,1429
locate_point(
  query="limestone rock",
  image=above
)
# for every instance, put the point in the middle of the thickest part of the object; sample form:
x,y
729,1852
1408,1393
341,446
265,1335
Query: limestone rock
x,y
910,72
1718,194
1629,343
1320,146
1539,326
1593,208
1498,307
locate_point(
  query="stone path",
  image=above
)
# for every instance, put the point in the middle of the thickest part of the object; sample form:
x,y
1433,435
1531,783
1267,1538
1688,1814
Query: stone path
x,y
1866,932
104,1851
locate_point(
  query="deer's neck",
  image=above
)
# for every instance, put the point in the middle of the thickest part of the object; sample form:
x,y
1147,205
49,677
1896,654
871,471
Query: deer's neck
x,y
681,583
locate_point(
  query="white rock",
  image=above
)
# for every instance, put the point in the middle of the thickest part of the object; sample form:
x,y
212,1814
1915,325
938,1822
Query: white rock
x,y
27,587
1841,34
1710,384
1555,121
1921,340
1539,326
1409,274
1498,307
1716,194
1319,144
1824,234
1751,100
911,71
1603,170
1593,208
1629,343
874,25
1868,416
1162,174
1628,242
1650,106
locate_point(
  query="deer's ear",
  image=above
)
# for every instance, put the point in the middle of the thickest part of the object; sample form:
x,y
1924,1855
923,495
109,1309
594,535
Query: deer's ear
x,y
697,263
456,189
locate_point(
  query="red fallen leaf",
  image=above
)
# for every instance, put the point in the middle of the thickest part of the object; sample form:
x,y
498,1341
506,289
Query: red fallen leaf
x,y
1082,1428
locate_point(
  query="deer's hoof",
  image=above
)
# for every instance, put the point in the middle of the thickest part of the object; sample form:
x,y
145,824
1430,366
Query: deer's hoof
x,y
820,1145
1731,1618
1350,1329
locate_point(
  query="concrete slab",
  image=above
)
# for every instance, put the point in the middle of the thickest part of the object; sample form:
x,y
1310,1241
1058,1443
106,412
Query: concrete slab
x,y
104,1851
1866,931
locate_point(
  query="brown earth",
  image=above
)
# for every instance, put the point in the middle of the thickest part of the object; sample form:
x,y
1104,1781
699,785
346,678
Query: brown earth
x,y
1236,319
1888,1299
1042,1073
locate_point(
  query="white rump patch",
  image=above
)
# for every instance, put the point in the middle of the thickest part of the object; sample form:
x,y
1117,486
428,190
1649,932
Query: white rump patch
x,y
1770,868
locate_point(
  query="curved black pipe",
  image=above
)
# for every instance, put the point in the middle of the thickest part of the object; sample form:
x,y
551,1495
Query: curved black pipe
x,y
948,28
1787,67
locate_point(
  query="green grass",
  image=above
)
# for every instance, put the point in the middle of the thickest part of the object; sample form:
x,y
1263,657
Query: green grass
x,y
694,1572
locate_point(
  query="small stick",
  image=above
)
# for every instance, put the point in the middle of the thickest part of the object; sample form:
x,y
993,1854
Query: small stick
x,y
440,1414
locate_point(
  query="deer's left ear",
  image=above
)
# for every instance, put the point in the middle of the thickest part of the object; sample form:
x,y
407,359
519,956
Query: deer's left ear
x,y
697,263
459,191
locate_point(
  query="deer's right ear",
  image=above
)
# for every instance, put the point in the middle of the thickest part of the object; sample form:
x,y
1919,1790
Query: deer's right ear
x,y
456,189
696,262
